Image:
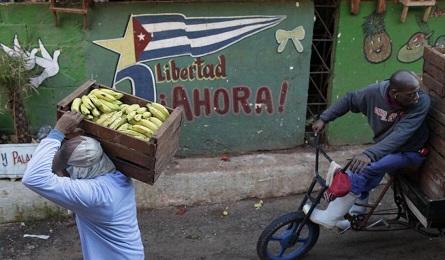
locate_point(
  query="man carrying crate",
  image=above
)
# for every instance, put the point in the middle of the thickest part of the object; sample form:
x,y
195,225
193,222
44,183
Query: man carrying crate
x,y
102,198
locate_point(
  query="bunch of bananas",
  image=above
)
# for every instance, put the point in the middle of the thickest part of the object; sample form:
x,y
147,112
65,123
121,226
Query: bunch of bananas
x,y
104,107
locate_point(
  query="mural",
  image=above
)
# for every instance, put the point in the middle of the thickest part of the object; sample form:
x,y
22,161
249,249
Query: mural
x,y
413,49
283,36
18,51
157,36
241,80
48,63
377,45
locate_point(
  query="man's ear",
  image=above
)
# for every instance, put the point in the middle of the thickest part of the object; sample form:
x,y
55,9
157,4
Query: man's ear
x,y
392,92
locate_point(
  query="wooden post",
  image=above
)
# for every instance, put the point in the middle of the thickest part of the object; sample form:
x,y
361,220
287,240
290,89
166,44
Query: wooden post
x,y
355,6
83,11
381,6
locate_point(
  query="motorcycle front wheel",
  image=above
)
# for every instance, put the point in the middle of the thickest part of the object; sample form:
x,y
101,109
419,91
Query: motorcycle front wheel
x,y
279,241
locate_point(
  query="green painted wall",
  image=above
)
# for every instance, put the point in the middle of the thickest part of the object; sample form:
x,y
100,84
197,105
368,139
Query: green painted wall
x,y
34,22
258,103
352,70
253,67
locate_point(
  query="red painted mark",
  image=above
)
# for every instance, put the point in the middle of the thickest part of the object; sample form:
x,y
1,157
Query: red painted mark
x,y
283,95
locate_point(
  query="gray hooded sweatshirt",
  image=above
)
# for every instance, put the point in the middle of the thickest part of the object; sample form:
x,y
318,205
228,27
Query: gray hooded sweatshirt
x,y
395,129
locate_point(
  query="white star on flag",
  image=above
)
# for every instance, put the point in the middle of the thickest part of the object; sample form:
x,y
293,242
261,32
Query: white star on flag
x,y
141,37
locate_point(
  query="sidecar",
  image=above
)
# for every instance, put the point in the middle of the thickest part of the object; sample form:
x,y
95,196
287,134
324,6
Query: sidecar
x,y
425,192
429,212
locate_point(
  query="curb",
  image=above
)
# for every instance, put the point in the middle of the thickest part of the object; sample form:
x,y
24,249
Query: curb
x,y
197,181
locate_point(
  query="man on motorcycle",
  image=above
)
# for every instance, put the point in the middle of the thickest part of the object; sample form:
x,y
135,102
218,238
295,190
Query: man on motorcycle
x,y
395,109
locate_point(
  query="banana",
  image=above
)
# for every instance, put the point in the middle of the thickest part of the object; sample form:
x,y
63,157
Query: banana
x,y
95,112
111,105
134,122
124,107
150,125
113,118
143,130
137,117
118,122
104,108
104,117
87,102
155,112
115,94
124,126
95,100
142,110
135,134
89,117
161,108
117,102
84,110
146,115
132,107
156,121
76,104
131,115
104,95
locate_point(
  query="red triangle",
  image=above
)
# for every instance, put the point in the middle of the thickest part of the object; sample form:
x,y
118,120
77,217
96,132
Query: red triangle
x,y
141,38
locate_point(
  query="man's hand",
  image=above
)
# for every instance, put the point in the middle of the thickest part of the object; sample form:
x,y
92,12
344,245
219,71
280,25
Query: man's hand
x,y
317,126
359,163
69,122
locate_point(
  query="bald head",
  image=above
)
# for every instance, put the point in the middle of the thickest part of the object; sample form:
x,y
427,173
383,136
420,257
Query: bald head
x,y
404,88
403,80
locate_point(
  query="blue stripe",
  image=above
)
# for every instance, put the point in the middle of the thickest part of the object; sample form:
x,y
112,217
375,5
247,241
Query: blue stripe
x,y
197,51
198,34
187,49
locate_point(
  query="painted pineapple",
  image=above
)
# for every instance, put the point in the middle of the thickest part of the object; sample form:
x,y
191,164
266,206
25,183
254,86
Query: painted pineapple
x,y
377,46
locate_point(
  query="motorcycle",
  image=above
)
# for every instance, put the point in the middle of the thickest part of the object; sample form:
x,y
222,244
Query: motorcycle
x,y
293,235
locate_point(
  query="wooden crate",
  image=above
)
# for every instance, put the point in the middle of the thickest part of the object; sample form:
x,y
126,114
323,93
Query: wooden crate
x,y
136,158
435,56
432,174
434,69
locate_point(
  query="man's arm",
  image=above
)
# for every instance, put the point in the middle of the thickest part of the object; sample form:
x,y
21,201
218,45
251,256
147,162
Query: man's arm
x,y
353,101
39,176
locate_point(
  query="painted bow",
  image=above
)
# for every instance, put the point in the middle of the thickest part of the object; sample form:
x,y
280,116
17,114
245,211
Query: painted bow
x,y
295,35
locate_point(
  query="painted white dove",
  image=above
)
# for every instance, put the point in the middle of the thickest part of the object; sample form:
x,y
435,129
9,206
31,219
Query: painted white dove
x,y
18,51
50,65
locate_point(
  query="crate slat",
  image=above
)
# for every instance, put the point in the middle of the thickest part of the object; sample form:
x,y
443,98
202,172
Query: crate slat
x,y
433,84
435,72
435,56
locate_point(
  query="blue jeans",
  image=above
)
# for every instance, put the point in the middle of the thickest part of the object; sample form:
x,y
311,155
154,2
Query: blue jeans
x,y
367,180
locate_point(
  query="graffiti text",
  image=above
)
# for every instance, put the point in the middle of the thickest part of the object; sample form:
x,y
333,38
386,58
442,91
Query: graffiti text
x,y
238,99
199,70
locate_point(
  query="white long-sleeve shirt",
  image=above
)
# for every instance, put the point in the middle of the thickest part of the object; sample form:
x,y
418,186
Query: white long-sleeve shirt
x,y
105,206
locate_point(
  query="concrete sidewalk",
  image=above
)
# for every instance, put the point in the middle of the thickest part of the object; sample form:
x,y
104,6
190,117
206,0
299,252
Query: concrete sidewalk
x,y
204,233
198,181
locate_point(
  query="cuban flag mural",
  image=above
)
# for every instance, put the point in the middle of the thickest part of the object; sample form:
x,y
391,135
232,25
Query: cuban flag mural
x,y
151,37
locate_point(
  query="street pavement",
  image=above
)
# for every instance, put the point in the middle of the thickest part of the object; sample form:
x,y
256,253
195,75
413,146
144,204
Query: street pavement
x,y
205,233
